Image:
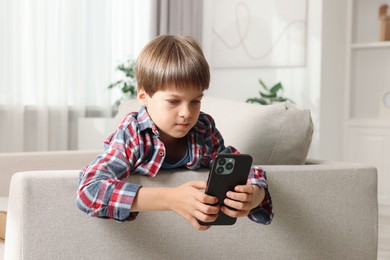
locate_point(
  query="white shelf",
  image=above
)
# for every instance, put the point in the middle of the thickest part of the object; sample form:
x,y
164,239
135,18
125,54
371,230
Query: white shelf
x,y
369,122
371,45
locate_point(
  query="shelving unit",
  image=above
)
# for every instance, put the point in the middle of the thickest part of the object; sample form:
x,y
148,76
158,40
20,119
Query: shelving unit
x,y
366,135
368,60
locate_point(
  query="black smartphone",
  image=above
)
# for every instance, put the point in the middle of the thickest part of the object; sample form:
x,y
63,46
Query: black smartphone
x,y
226,172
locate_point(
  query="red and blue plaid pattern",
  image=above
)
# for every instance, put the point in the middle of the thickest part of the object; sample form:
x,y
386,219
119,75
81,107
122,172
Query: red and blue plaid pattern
x,y
135,148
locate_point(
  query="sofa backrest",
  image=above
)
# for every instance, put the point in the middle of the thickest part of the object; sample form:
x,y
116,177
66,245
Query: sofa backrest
x,y
11,163
273,134
320,213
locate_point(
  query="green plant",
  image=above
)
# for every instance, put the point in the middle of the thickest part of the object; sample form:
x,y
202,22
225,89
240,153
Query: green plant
x,y
269,95
127,85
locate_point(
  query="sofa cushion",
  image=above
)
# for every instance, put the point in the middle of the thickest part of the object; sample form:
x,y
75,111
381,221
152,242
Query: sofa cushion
x,y
273,134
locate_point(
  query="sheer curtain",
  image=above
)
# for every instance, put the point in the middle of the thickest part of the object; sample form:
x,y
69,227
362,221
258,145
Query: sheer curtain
x,y
183,17
57,59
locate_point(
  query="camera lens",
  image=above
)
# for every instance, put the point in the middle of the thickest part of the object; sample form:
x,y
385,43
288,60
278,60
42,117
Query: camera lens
x,y
229,166
221,161
220,170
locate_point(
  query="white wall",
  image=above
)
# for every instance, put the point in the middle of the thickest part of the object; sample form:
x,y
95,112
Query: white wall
x,y
302,84
333,79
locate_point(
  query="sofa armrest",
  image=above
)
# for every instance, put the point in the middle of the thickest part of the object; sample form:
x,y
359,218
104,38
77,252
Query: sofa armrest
x,y
11,163
325,211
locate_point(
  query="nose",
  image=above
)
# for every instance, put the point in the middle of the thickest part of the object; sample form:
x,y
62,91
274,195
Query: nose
x,y
185,111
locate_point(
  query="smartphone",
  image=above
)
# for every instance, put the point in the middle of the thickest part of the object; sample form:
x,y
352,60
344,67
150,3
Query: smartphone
x,y
226,172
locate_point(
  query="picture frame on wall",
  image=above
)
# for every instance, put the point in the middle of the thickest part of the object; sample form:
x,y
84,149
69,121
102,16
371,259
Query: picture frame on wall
x,y
255,33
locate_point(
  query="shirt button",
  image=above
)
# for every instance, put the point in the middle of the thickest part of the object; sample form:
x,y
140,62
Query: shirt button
x,y
161,153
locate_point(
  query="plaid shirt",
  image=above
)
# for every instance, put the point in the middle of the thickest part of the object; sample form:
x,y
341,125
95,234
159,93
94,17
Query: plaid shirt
x,y
135,148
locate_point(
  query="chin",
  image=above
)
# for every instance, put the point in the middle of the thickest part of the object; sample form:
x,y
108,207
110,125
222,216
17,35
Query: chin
x,y
179,135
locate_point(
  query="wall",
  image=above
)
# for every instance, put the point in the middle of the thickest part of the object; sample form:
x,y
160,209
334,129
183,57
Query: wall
x,y
332,79
302,84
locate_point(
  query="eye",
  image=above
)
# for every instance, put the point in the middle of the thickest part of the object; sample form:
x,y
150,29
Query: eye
x,y
196,101
173,101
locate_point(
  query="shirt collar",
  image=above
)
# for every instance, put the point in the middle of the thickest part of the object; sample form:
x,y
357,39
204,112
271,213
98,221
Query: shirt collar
x,y
145,122
199,127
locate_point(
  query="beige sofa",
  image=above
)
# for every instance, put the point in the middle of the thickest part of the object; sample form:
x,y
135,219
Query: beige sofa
x,y
323,210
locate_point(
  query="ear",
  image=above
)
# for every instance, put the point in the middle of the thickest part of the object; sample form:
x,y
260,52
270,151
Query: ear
x,y
142,96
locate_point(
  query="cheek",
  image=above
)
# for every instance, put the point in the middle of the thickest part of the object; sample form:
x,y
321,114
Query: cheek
x,y
196,110
166,114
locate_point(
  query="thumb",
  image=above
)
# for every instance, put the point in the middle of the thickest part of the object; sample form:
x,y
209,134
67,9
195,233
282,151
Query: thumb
x,y
200,185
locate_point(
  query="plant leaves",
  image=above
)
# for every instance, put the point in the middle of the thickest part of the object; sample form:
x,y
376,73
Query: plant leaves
x,y
257,100
269,96
114,84
128,84
276,88
266,95
263,84
280,99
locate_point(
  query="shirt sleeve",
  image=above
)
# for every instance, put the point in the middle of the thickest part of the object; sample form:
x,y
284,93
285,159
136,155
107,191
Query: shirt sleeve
x,y
214,144
102,192
263,213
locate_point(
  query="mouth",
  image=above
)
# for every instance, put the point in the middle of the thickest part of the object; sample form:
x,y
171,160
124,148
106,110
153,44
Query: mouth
x,y
183,125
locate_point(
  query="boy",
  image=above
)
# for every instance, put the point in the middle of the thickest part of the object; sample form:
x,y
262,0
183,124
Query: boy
x,y
168,132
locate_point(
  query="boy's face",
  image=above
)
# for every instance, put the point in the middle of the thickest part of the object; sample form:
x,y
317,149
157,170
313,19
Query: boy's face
x,y
174,112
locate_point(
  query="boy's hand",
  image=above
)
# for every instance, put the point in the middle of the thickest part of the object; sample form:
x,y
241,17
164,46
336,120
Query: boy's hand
x,y
243,200
190,202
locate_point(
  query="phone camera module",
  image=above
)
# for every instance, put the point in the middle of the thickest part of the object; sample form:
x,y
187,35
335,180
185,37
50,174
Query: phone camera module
x,y
222,161
220,170
225,166
229,166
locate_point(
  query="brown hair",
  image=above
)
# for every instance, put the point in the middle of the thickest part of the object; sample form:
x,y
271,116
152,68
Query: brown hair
x,y
168,61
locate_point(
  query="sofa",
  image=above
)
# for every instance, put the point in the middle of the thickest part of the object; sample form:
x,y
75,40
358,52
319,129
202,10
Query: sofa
x,y
323,210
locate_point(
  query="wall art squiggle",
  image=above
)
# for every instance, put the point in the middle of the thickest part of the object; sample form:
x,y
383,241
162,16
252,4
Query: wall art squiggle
x,y
256,33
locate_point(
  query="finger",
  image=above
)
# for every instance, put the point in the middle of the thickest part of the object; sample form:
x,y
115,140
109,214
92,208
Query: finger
x,y
207,209
206,199
234,213
205,217
194,222
243,197
244,188
237,205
